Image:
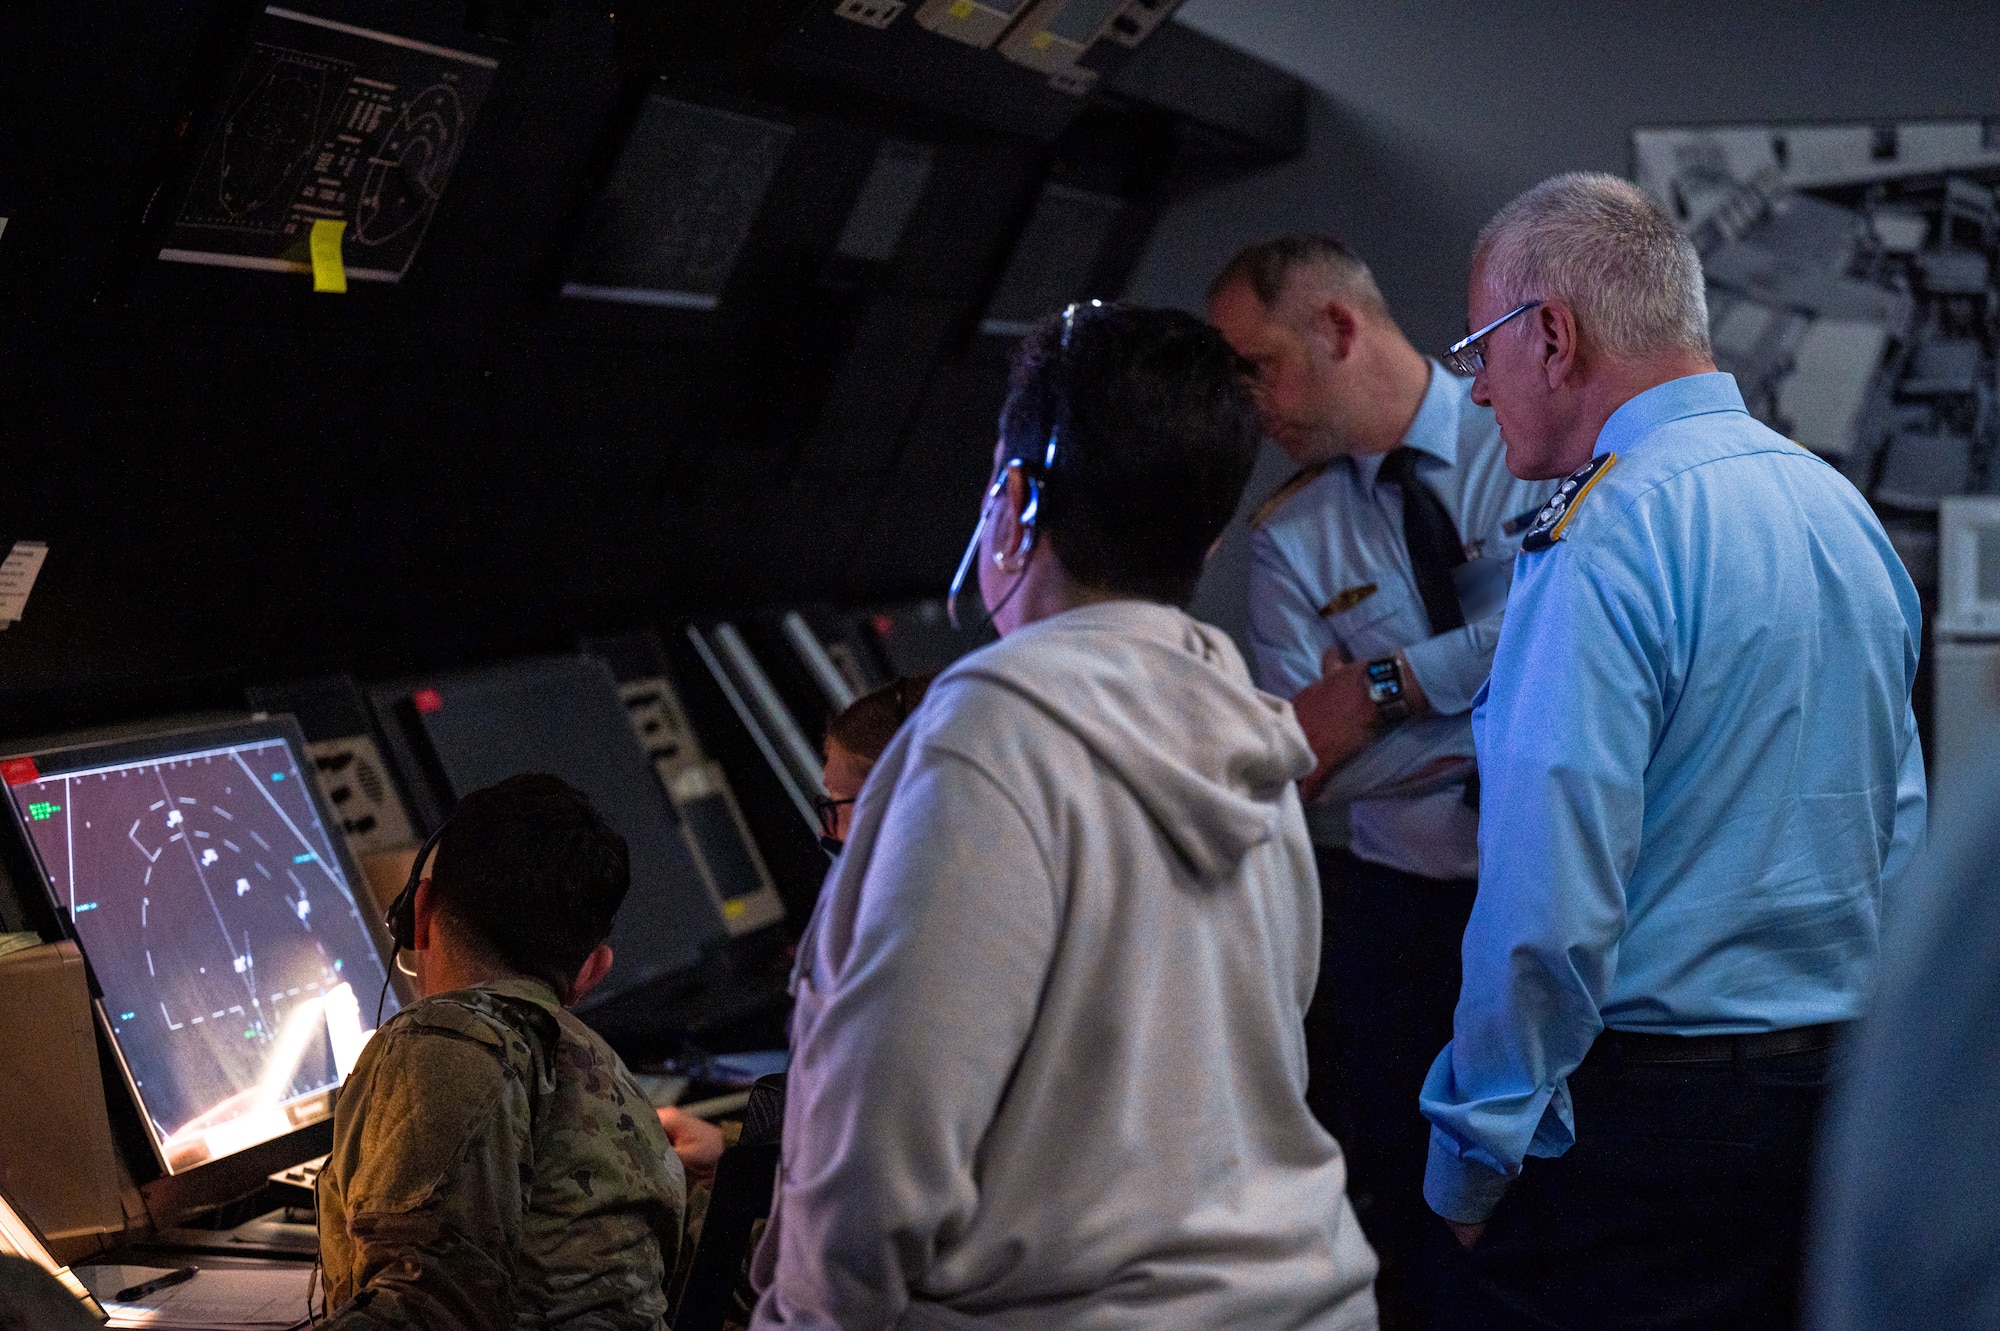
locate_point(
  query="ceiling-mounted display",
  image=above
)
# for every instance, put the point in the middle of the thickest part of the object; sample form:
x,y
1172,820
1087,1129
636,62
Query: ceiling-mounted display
x,y
870,13
881,212
1054,260
974,22
329,121
1056,34
668,225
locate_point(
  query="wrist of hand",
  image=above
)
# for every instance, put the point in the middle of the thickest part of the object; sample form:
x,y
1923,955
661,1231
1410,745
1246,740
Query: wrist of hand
x,y
1467,1235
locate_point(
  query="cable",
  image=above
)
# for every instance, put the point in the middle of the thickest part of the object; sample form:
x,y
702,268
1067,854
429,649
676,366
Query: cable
x,y
994,613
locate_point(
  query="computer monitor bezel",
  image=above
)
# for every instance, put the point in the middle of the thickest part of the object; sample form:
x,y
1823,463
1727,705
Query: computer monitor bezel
x,y
159,743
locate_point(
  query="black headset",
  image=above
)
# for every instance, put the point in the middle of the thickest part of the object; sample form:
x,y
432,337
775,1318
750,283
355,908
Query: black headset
x,y
401,917
1033,473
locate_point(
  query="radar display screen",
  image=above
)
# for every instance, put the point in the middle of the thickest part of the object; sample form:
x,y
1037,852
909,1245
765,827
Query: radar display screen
x,y
219,921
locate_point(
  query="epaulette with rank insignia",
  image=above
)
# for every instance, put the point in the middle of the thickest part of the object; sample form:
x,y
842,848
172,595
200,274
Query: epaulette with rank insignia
x,y
1300,480
1555,514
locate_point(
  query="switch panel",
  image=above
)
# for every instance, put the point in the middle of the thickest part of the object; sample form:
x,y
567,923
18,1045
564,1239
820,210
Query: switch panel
x,y
355,781
711,820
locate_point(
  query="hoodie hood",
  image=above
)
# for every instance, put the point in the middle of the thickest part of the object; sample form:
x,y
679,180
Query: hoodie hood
x,y
1166,703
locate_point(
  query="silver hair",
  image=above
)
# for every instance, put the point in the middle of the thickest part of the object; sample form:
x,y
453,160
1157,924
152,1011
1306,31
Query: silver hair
x,y
1603,246
1270,265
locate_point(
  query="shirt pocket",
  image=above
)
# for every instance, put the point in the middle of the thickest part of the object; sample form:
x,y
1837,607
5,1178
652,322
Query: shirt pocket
x,y
1365,629
1485,578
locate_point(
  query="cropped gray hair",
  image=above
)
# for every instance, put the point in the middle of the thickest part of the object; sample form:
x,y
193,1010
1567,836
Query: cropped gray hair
x,y
1268,265
1602,245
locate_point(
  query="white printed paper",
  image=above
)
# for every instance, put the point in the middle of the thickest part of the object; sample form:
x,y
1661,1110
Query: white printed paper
x,y
267,1295
17,578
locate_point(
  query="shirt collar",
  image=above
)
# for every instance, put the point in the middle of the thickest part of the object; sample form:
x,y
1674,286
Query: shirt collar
x,y
1676,399
524,988
1434,430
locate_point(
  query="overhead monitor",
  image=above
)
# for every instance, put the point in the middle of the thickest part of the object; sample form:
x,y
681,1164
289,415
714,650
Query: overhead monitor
x,y
239,976
670,221
889,197
974,22
1055,259
1056,33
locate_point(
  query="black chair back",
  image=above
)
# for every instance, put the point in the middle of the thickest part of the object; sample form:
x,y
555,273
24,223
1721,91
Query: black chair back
x,y
718,1288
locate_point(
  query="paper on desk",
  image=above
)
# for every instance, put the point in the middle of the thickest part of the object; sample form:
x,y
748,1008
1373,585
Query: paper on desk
x,y
218,1299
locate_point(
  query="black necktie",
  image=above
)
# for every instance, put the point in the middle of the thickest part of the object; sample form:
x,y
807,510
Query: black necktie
x,y
1435,549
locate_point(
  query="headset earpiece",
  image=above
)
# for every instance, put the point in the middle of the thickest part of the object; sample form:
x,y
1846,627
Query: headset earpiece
x,y
402,914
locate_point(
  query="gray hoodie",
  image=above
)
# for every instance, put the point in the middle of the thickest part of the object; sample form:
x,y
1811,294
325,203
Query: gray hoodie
x,y
1048,1068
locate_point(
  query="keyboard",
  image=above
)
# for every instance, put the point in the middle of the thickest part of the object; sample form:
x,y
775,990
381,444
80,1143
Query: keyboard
x,y
304,1175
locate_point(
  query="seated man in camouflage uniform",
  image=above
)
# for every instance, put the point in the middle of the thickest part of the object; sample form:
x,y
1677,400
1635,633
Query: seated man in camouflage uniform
x,y
494,1165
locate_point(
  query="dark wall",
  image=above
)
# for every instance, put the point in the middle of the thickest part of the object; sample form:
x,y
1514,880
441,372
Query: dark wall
x,y
1427,118
241,479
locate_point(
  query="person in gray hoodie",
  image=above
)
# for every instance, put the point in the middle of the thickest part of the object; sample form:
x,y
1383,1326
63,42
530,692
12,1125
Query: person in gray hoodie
x,y
1048,1062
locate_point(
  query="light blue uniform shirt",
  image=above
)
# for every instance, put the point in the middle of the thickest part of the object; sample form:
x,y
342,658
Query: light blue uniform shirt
x,y
1328,541
1700,772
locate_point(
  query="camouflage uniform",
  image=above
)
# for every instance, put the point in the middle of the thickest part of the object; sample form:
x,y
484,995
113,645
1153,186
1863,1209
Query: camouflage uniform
x,y
494,1165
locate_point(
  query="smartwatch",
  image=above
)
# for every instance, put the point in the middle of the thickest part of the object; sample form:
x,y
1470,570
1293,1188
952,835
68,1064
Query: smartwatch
x,y
1385,690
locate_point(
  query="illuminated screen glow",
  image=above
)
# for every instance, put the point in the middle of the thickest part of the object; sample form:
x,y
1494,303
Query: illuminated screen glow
x,y
222,929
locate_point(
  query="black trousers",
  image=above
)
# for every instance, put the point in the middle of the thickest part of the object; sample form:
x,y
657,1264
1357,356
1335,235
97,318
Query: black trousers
x,y
1388,982
1681,1205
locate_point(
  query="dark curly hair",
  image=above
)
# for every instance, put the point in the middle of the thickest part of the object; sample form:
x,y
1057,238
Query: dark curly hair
x,y
1157,434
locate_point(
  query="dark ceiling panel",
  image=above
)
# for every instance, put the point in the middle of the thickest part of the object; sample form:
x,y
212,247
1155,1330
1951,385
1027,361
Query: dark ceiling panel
x,y
240,478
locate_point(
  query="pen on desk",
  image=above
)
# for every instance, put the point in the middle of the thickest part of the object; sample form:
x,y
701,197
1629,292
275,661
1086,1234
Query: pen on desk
x,y
155,1285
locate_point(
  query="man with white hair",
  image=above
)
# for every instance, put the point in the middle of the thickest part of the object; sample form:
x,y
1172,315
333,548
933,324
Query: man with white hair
x,y
1701,775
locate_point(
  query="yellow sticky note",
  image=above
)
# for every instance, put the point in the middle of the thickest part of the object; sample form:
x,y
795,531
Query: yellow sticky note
x,y
329,273
961,9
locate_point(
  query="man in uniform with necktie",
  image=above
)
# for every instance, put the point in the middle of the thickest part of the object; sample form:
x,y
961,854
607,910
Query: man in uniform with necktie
x,y
1378,578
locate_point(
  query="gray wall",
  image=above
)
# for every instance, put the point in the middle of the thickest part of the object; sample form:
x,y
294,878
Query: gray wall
x,y
1432,116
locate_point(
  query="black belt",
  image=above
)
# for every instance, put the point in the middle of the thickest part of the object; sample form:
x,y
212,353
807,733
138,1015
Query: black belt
x,y
1622,1047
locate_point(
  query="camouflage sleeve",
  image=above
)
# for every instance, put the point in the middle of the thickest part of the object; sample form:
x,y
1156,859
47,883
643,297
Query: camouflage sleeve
x,y
429,1162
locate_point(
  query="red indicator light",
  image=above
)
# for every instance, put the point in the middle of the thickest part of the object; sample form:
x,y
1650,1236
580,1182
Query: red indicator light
x,y
427,700
19,771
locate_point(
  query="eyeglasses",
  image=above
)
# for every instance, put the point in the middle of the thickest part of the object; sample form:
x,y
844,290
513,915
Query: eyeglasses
x,y
829,809
1467,356
1034,477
